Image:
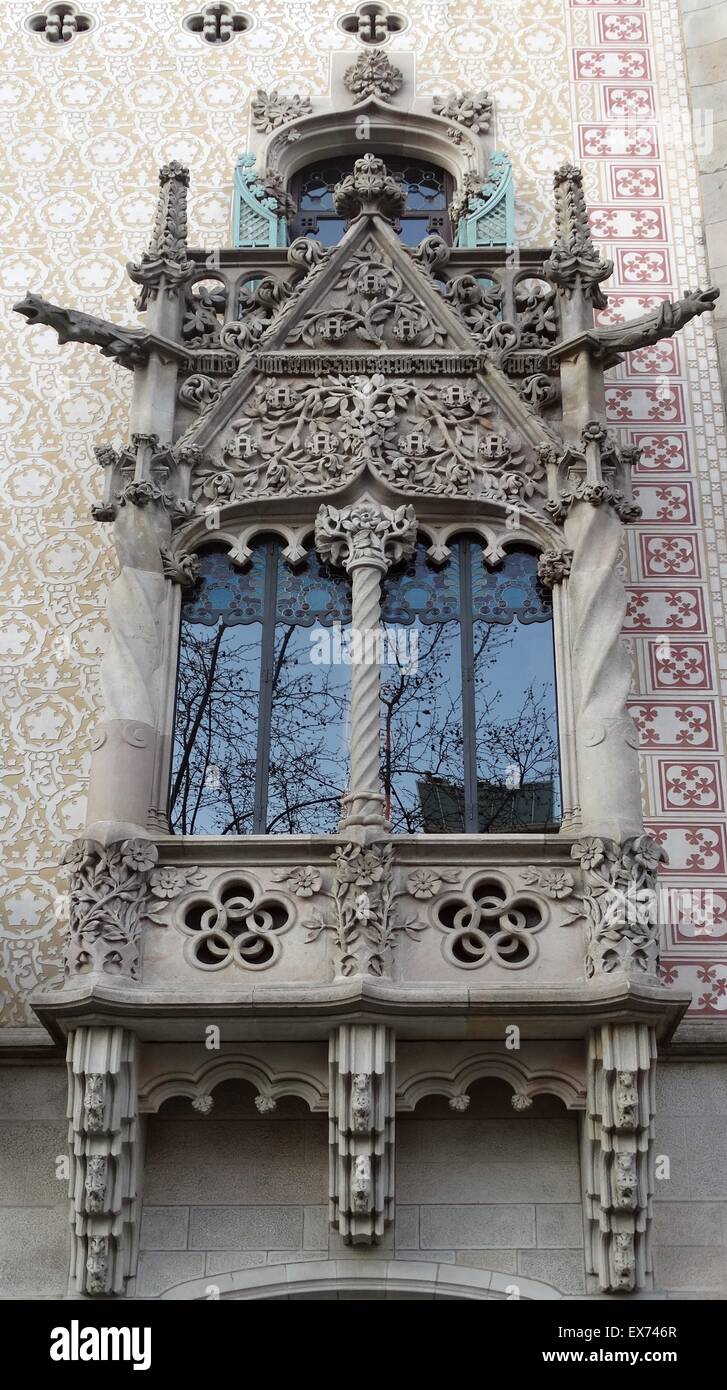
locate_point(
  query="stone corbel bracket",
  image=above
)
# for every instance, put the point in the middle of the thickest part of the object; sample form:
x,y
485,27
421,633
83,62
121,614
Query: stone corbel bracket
x,y
103,1141
361,1131
618,1158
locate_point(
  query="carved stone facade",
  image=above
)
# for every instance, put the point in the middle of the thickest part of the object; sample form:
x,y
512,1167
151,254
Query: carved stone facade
x,y
359,402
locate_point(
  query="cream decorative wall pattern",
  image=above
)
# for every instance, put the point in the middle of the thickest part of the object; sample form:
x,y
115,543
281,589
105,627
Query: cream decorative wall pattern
x,y
86,125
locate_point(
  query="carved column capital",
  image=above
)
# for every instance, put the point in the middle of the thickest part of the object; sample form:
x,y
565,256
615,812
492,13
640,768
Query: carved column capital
x,y
366,533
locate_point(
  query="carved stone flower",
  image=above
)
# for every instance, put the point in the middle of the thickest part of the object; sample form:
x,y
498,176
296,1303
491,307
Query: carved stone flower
x,y
139,855
423,883
643,852
304,881
590,851
166,882
556,883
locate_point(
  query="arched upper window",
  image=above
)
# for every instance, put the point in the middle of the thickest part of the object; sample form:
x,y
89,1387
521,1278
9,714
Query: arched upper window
x,y
469,736
429,193
260,734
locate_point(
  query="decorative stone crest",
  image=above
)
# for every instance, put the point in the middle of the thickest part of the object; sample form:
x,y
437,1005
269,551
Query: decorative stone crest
x,y
369,189
470,109
373,75
109,885
273,109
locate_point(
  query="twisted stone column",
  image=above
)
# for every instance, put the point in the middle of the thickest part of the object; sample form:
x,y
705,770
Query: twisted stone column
x,y
365,539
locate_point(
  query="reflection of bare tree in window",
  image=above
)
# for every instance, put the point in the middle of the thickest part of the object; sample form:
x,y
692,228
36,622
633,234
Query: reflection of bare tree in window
x,y
213,786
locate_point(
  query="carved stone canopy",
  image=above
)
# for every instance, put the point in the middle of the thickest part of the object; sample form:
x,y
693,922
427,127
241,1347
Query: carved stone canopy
x,y
370,188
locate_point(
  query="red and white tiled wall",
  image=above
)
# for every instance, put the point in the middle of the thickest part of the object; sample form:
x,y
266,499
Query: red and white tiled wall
x,y
633,138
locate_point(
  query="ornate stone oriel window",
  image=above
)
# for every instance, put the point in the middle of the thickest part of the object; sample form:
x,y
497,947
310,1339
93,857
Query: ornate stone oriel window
x,y
260,741
469,729
429,192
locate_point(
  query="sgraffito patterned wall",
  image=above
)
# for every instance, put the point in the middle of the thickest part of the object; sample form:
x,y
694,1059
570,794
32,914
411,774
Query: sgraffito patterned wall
x,y
85,126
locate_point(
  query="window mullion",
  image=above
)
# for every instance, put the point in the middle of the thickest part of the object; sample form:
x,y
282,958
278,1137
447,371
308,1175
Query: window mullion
x,y
265,705
469,749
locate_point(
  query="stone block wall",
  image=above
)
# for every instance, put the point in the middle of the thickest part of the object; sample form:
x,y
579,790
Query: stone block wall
x,y
487,1189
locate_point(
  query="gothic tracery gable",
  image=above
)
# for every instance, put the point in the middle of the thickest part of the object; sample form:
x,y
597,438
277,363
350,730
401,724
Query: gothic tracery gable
x,y
369,361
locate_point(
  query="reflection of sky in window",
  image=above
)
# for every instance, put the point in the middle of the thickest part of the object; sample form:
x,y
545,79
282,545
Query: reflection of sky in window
x,y
260,729
470,737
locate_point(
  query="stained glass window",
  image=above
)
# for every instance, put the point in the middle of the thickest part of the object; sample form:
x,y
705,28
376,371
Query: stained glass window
x,y
429,191
469,729
260,735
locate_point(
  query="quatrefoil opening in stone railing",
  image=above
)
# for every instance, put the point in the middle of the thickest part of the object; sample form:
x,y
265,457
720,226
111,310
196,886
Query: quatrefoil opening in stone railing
x,y
234,923
490,922
59,23
372,23
217,23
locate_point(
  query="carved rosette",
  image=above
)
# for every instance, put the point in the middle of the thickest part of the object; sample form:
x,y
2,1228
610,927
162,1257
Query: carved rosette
x,y
370,188
361,1112
108,892
620,904
618,1156
574,263
102,1113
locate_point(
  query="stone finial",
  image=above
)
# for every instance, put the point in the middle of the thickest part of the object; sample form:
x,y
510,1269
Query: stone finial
x,y
166,254
574,261
470,109
365,534
370,188
373,75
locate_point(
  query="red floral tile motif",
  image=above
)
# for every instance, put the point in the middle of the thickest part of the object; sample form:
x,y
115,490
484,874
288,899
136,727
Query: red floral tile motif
x,y
631,64
622,28
632,103
662,451
627,224
697,916
665,502
639,181
691,786
679,665
628,304
643,267
675,724
622,138
664,555
663,404
708,983
692,849
666,610
658,359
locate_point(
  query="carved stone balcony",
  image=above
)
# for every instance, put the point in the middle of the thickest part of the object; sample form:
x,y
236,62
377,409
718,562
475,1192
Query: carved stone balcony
x,y
457,933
